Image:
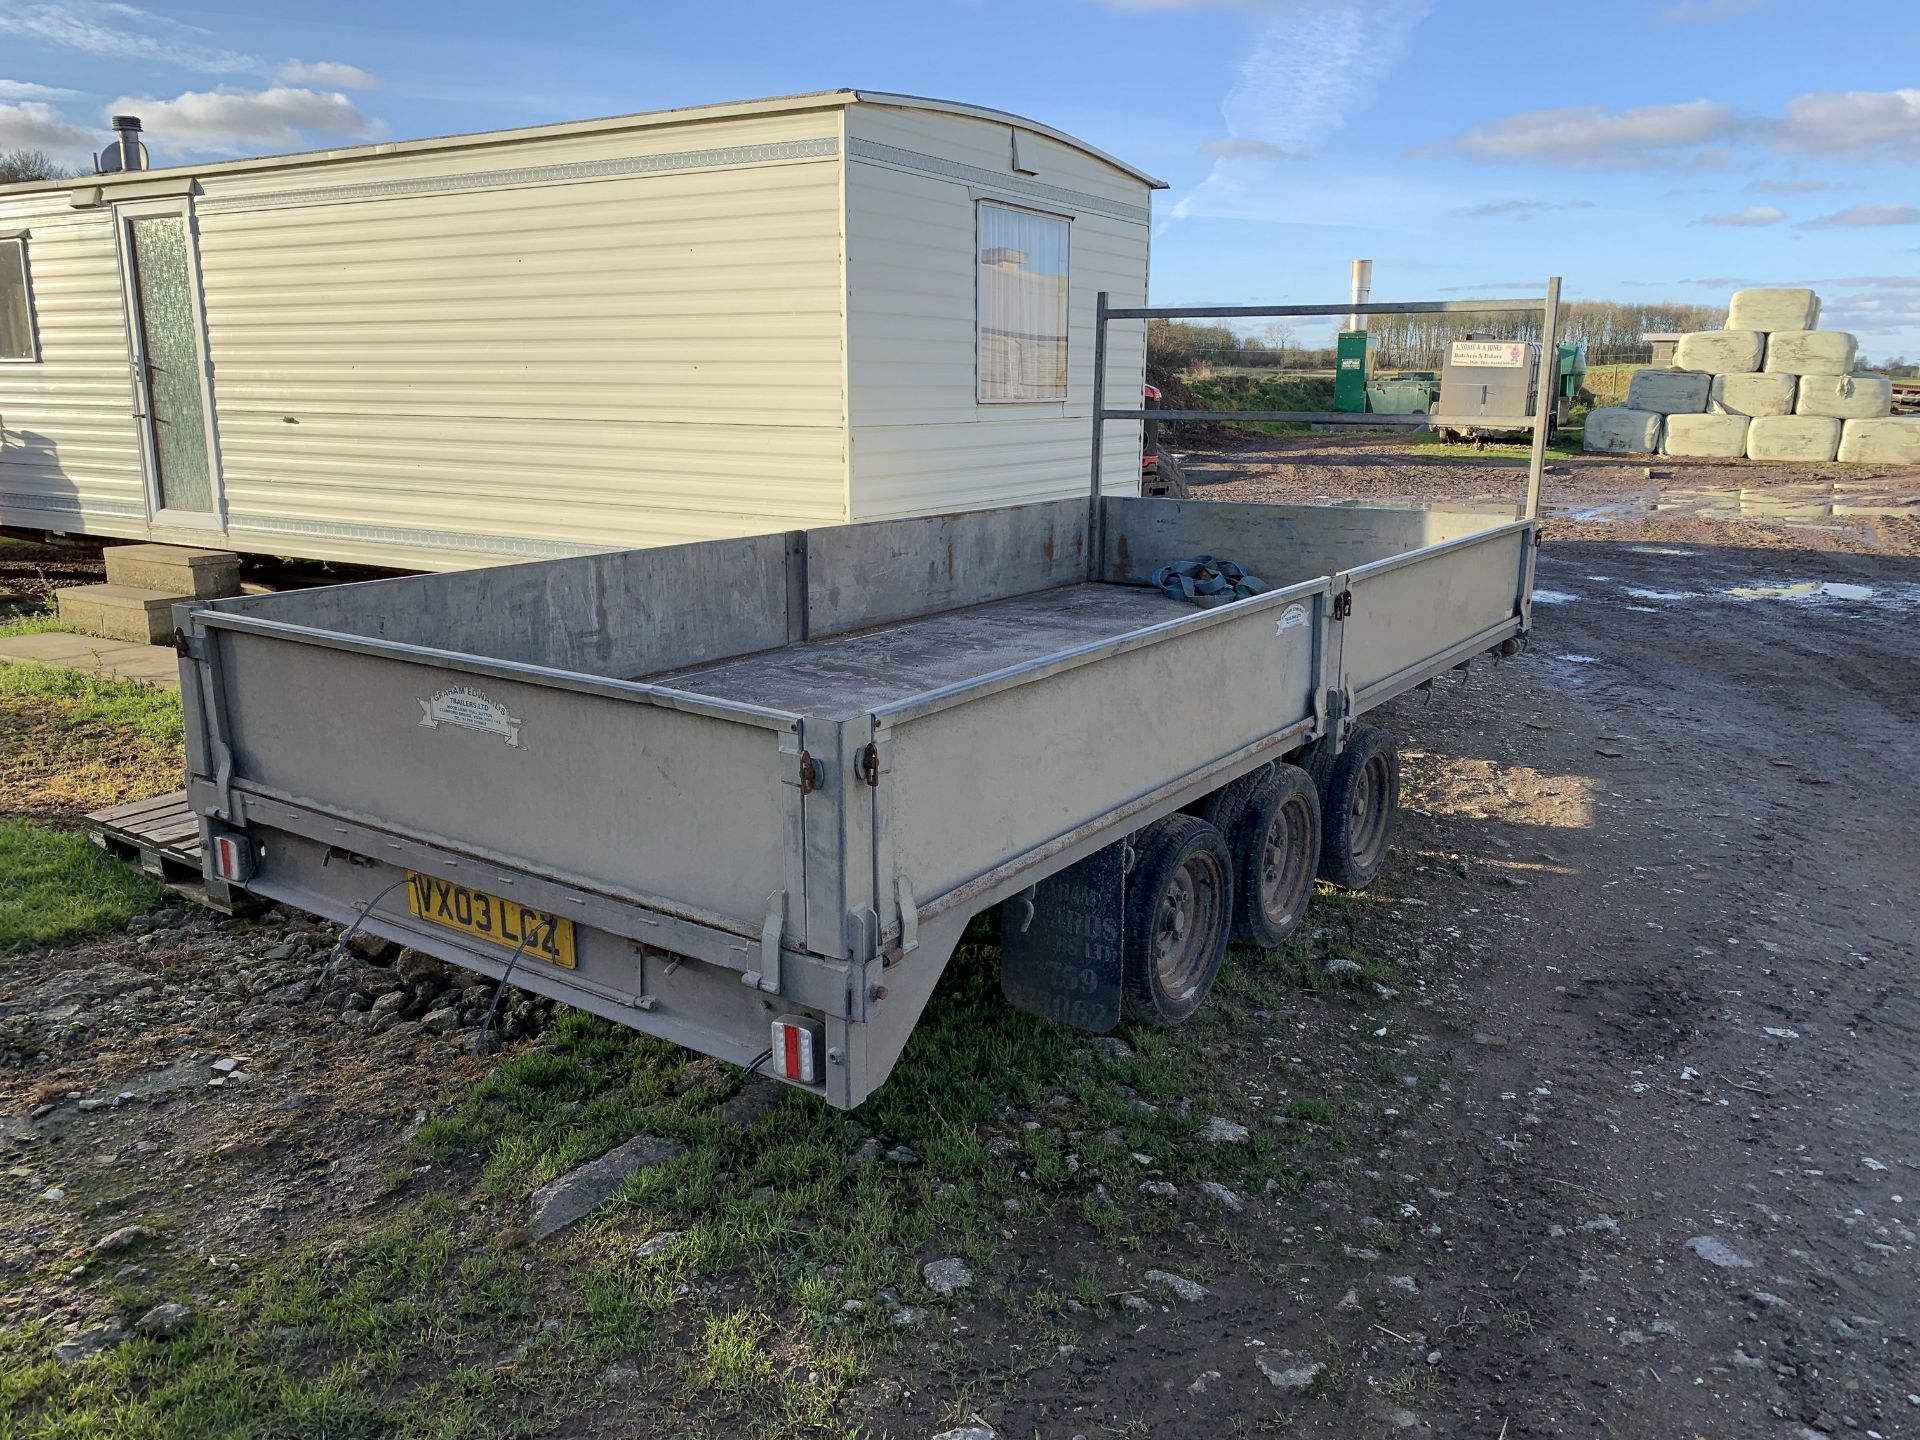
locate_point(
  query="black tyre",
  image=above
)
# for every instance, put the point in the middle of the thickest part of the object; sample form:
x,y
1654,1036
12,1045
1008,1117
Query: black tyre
x,y
1276,854
1179,911
1361,807
1318,760
1224,807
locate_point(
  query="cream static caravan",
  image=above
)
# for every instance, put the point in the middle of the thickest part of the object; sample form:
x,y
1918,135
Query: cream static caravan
x,y
529,343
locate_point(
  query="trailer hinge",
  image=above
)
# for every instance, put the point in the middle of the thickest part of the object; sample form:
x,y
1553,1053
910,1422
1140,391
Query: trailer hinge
x,y
767,977
183,644
870,764
1343,605
809,774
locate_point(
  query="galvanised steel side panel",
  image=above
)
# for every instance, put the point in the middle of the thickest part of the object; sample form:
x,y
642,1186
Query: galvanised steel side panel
x,y
693,812
1412,612
867,574
1282,544
625,614
973,784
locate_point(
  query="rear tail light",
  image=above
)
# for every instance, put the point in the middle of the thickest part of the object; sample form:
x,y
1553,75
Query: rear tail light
x,y
232,858
797,1044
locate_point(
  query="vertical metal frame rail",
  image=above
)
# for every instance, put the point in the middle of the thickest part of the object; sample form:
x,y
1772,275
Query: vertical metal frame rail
x,y
1540,422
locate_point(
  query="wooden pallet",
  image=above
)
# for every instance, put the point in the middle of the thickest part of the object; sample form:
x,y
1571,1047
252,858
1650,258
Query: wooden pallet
x,y
162,837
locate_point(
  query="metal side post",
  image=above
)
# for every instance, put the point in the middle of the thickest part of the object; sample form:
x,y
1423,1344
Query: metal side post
x,y
1096,537
1546,402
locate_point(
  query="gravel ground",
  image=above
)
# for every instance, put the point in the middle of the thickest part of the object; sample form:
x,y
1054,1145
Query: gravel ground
x,y
1628,1148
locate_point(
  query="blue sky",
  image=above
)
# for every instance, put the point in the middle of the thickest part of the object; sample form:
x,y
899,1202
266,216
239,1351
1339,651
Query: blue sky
x,y
1649,149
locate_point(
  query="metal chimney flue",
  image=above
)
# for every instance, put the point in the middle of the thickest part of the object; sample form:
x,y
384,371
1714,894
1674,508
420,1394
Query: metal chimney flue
x,y
126,152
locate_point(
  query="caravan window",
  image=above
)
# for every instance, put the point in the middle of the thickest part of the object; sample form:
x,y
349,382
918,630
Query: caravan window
x,y
1021,304
16,306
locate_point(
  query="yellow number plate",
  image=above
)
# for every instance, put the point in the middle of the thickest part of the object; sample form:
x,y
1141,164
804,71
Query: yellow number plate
x,y
488,917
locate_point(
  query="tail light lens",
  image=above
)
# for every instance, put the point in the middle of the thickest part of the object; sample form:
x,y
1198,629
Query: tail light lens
x,y
797,1045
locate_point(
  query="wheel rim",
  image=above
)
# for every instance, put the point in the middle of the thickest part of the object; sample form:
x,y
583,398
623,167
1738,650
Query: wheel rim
x,y
1284,876
1185,924
1367,812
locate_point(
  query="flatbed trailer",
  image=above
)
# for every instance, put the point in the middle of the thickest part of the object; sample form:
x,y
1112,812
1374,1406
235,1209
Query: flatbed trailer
x,y
747,794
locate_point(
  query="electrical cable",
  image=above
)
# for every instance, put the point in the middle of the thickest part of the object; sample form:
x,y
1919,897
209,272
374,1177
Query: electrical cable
x,y
480,1038
340,946
762,1058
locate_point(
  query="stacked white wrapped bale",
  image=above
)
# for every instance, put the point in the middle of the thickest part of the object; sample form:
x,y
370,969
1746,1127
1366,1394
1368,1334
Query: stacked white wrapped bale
x,y
1770,386
1811,352
1767,310
1752,395
1669,392
1721,352
1886,440
1845,397
1622,430
1793,438
1705,437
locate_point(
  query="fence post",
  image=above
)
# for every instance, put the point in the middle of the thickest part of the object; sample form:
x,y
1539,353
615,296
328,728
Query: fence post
x,y
1546,401
1096,539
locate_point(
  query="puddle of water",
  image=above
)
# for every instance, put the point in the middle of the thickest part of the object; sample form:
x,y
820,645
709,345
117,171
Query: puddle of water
x,y
1799,504
1552,597
1640,594
1661,550
1642,609
1803,590
1579,659
1602,579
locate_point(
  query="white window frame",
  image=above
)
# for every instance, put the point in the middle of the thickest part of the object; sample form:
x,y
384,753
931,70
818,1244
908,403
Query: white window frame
x,y
982,202
32,357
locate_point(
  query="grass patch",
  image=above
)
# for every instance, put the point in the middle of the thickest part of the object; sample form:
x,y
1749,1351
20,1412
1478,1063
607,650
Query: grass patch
x,y
56,888
1563,445
76,742
1257,391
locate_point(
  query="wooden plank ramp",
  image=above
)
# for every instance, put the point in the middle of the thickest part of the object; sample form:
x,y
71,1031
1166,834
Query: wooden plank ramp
x,y
161,836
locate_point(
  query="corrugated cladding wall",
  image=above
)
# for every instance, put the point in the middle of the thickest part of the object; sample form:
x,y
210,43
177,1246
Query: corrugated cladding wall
x,y
921,443
69,446
587,343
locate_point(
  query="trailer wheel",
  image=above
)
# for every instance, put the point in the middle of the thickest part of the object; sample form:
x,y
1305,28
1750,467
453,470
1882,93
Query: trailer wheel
x,y
1179,910
1276,853
1317,760
1361,806
1224,807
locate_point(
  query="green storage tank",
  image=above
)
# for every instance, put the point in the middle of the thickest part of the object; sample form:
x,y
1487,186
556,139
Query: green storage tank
x,y
1409,394
1350,372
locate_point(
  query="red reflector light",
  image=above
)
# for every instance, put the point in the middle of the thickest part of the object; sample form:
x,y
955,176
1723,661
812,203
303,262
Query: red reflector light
x,y
230,858
796,1049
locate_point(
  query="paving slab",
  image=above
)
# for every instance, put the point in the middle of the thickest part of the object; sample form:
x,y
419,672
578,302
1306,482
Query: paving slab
x,y
122,659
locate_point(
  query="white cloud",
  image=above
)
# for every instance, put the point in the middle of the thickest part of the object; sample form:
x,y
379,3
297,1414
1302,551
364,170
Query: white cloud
x,y
1844,122
1863,124
1521,209
1789,187
1752,215
1865,216
1310,68
1245,147
1590,137
121,32
231,121
35,125
1689,12
28,90
330,73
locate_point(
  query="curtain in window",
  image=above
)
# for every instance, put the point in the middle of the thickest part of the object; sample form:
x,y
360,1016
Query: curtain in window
x,y
1022,302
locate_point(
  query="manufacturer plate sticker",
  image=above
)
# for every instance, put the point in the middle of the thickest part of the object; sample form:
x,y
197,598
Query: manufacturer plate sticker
x,y
1291,618
467,709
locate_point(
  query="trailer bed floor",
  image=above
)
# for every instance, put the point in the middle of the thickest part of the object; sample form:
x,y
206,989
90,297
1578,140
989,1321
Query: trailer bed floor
x,y
840,676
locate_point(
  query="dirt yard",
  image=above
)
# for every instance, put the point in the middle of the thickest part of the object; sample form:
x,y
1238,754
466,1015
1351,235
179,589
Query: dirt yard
x,y
1596,1116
